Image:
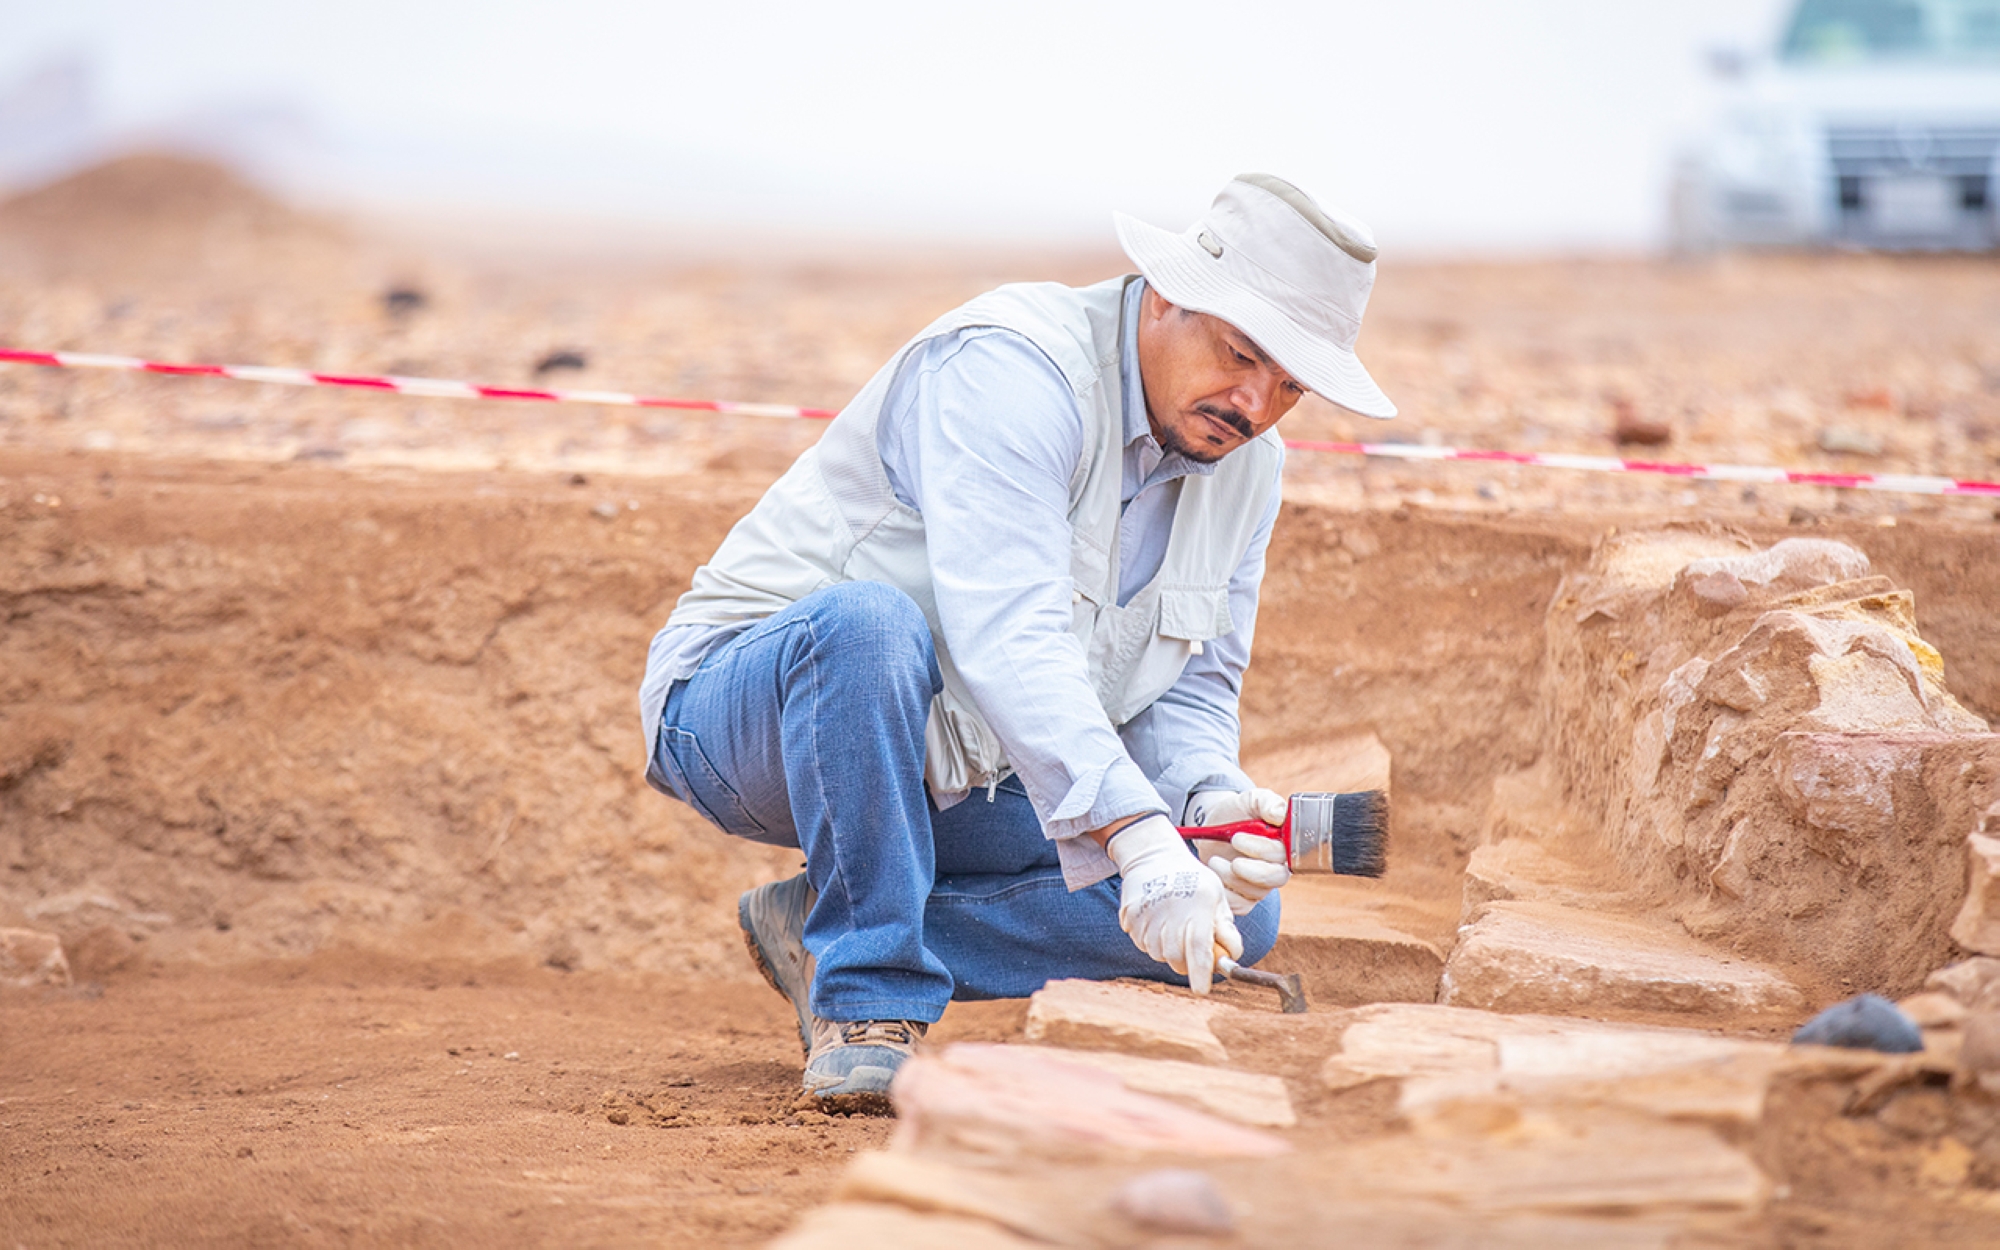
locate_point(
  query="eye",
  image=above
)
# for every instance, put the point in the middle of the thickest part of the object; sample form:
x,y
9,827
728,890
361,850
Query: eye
x,y
1241,359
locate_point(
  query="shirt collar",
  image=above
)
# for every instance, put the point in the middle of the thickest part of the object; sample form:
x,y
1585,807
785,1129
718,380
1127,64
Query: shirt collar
x,y
1137,425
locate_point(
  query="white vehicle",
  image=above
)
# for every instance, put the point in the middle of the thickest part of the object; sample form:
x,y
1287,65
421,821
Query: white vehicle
x,y
1874,123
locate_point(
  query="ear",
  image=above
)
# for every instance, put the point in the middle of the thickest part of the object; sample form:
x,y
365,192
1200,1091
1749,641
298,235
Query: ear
x,y
1153,305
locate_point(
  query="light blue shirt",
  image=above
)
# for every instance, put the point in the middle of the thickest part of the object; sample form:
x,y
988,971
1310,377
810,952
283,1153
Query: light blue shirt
x,y
981,434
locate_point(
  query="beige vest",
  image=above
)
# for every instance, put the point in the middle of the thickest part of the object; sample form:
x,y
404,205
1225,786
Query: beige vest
x,y
833,517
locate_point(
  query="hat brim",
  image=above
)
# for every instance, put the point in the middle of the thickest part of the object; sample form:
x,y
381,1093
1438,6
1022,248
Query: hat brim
x,y
1188,276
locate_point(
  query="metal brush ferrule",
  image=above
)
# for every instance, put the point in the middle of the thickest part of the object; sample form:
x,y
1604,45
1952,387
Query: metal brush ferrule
x,y
1312,832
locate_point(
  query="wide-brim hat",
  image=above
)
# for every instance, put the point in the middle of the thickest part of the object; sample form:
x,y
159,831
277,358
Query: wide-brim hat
x,y
1271,262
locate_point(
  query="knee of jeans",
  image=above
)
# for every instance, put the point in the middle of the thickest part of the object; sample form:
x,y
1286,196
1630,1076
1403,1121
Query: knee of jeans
x,y
1259,929
880,623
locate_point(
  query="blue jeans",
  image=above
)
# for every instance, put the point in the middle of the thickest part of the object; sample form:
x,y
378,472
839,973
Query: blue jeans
x,y
807,730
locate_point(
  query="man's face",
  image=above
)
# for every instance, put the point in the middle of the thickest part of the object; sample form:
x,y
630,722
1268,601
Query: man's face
x,y
1209,389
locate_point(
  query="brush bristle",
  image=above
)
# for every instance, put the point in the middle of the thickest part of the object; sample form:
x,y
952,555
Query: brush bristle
x,y
1360,833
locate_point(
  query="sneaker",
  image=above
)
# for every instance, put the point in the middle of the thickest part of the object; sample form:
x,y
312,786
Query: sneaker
x,y
773,919
849,1064
852,1062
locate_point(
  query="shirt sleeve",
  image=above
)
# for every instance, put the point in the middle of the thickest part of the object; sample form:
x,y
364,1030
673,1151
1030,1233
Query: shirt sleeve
x,y
1188,740
982,436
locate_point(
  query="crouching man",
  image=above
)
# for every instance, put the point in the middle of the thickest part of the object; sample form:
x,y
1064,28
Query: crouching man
x,y
979,650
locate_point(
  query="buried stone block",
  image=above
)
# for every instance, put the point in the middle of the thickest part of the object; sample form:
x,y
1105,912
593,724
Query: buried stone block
x,y
874,1225
1529,957
1977,927
1094,1015
29,958
1444,1056
1010,1102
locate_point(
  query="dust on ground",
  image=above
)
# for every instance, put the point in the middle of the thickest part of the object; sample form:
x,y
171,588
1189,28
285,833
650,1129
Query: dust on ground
x,y
318,733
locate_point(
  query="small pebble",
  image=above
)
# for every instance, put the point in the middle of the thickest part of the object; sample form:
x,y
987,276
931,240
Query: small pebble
x,y
561,360
1176,1200
399,301
1865,1022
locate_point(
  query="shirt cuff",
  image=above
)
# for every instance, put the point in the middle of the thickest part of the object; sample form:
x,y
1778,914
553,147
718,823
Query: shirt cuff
x,y
1113,790
1192,774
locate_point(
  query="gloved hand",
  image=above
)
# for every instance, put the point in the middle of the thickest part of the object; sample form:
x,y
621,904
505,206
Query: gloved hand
x,y
1172,910
1250,866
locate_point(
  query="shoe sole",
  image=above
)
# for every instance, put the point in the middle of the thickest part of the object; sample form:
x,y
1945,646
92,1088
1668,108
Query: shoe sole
x,y
769,973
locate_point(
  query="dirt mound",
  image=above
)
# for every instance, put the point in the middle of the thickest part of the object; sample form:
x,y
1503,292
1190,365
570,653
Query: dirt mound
x,y
149,215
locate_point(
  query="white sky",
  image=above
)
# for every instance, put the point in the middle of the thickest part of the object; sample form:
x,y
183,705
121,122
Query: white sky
x,y
1446,124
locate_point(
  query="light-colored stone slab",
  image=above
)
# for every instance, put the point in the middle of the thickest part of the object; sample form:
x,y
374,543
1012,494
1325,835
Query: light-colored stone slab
x,y
877,1226
1529,1164
1445,1055
31,958
1246,1097
1354,942
1019,1103
1537,957
934,1187
1977,927
1101,1015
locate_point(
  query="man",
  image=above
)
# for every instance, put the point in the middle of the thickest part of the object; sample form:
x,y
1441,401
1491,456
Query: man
x,y
979,649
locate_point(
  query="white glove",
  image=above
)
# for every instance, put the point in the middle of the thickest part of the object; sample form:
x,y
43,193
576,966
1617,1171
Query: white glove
x,y
1172,910
1251,866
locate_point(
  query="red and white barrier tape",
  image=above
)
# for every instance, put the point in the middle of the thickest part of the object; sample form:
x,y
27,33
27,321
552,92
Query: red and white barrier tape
x,y
1907,483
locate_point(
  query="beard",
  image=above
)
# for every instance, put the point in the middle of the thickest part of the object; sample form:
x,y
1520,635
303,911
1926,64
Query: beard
x,y
1171,438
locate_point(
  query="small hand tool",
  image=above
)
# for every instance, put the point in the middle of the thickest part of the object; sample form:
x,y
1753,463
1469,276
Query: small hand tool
x,y
1323,832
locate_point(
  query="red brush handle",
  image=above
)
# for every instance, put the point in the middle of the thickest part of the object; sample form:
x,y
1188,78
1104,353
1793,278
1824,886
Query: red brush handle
x,y
1222,833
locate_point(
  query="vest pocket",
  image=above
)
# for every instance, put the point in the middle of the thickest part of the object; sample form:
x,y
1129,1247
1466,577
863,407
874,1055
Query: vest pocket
x,y
1195,613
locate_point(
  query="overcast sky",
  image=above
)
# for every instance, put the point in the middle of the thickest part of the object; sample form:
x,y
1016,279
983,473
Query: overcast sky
x,y
1446,124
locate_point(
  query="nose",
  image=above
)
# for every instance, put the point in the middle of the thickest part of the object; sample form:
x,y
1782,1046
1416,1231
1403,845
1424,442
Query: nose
x,y
1256,396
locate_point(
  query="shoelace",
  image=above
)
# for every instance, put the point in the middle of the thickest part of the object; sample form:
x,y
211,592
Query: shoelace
x,y
889,1032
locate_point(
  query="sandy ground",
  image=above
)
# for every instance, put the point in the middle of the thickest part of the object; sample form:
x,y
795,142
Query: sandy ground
x,y
317,735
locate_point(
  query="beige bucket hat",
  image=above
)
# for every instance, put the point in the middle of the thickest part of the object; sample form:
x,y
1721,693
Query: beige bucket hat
x,y
1278,267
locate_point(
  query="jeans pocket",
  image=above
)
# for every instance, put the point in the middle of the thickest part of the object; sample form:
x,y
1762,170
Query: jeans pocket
x,y
695,780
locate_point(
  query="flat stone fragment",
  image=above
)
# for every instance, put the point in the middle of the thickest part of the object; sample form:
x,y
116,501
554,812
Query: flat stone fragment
x,y
934,1187
1446,1055
30,958
1347,954
1977,927
1611,1163
1019,1102
1529,957
875,1226
1245,1097
1098,1015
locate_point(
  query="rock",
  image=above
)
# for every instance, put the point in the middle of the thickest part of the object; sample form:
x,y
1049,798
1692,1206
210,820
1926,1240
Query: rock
x,y
1336,936
1446,1055
1977,927
1630,428
1974,982
934,1187
1017,1102
31,958
1245,1097
1096,1015
103,951
873,1226
1850,440
1979,1052
1765,746
559,360
1530,957
1864,1022
1934,1009
1175,1201
1610,1162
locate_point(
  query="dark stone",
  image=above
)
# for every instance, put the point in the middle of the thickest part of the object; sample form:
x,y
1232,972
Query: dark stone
x,y
1865,1022
400,301
561,360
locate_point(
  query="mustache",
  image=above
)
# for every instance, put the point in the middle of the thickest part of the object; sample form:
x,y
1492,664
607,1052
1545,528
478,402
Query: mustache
x,y
1229,417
